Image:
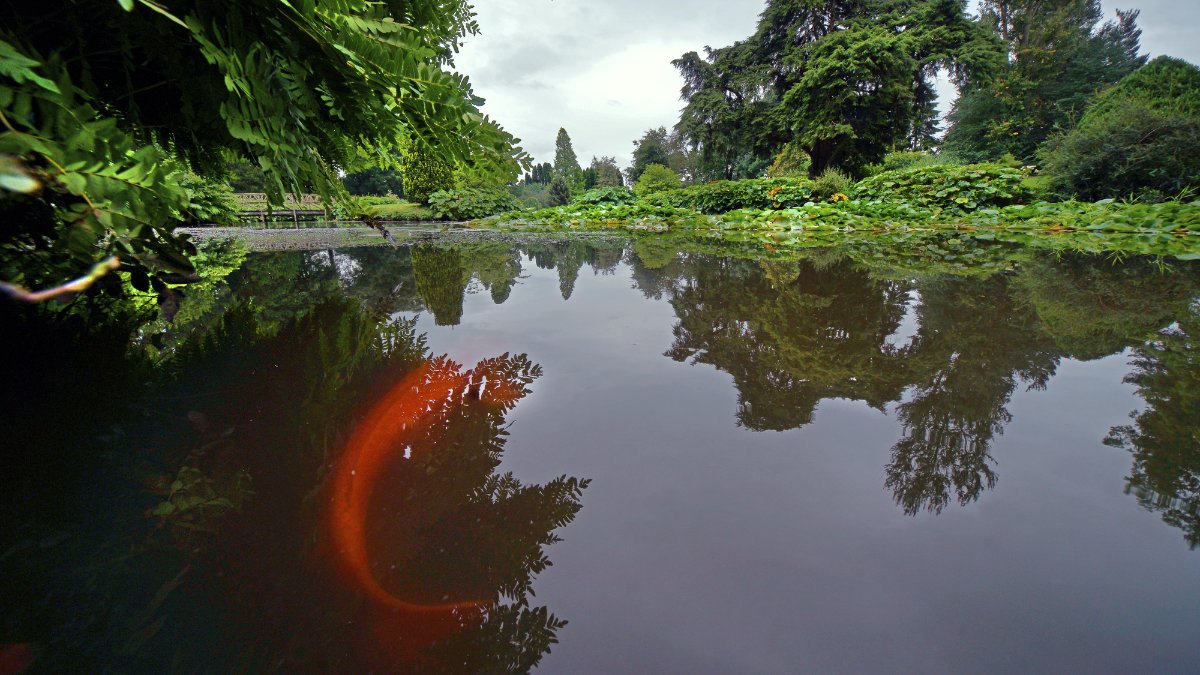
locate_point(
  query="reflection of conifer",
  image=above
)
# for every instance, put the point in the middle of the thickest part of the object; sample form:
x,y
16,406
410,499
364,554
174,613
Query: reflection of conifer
x,y
441,281
569,258
969,361
452,527
385,278
1165,437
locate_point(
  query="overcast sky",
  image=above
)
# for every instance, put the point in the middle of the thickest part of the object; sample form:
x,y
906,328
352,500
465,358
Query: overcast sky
x,y
602,69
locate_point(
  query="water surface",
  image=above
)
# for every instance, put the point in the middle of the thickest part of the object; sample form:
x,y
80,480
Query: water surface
x,y
948,457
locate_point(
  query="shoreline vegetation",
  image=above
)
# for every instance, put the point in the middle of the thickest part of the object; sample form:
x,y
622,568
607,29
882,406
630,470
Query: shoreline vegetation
x,y
984,200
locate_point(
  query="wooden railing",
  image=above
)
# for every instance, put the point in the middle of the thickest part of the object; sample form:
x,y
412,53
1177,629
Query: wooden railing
x,y
253,206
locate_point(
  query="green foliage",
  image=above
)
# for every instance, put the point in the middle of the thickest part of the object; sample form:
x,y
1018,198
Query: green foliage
x,y
559,192
96,98
606,172
1141,138
658,146
374,181
441,279
469,203
209,201
566,164
1163,438
789,162
96,191
957,189
246,177
728,195
194,504
401,211
531,195
832,184
424,174
202,303
1060,56
1165,83
656,178
282,85
540,174
639,216
910,159
606,195
841,81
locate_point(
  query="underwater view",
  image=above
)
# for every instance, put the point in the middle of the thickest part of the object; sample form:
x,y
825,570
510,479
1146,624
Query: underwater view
x,y
482,452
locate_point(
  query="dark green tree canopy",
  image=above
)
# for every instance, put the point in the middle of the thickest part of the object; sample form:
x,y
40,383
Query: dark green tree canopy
x,y
606,172
276,82
1059,56
845,80
1141,137
658,146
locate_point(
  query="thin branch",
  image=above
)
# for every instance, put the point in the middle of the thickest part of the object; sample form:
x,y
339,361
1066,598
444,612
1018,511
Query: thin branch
x,y
81,284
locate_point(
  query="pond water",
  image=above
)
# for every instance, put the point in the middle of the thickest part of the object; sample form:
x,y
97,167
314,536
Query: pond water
x,y
635,456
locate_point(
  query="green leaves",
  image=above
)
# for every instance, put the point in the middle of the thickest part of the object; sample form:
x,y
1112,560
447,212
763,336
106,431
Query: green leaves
x,y
20,68
946,187
842,81
470,203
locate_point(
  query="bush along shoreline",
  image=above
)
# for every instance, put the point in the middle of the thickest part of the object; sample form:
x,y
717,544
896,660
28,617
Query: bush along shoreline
x,y
944,196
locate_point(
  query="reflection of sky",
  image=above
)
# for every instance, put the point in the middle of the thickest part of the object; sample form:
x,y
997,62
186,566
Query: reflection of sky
x,y
910,323
704,547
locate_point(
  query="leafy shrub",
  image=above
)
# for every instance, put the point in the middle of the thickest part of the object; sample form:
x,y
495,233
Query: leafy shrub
x,y
606,195
424,174
559,192
469,203
1141,138
910,159
790,162
637,216
958,189
374,181
656,178
356,208
375,200
402,211
832,182
727,195
208,201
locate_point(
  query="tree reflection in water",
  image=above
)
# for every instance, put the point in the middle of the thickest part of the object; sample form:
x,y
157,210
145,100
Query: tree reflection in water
x,y
224,554
1165,437
794,333
435,540
820,324
973,346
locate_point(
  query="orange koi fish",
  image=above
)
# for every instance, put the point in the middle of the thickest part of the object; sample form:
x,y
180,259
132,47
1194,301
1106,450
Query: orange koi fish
x,y
420,400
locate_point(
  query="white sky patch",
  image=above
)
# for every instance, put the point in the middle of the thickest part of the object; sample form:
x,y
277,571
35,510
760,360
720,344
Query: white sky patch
x,y
603,70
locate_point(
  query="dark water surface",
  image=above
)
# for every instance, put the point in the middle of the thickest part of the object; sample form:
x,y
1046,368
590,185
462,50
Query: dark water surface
x,y
913,460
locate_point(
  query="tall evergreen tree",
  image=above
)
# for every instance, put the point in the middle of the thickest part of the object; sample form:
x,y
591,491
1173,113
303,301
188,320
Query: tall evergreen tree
x,y
1059,56
566,164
